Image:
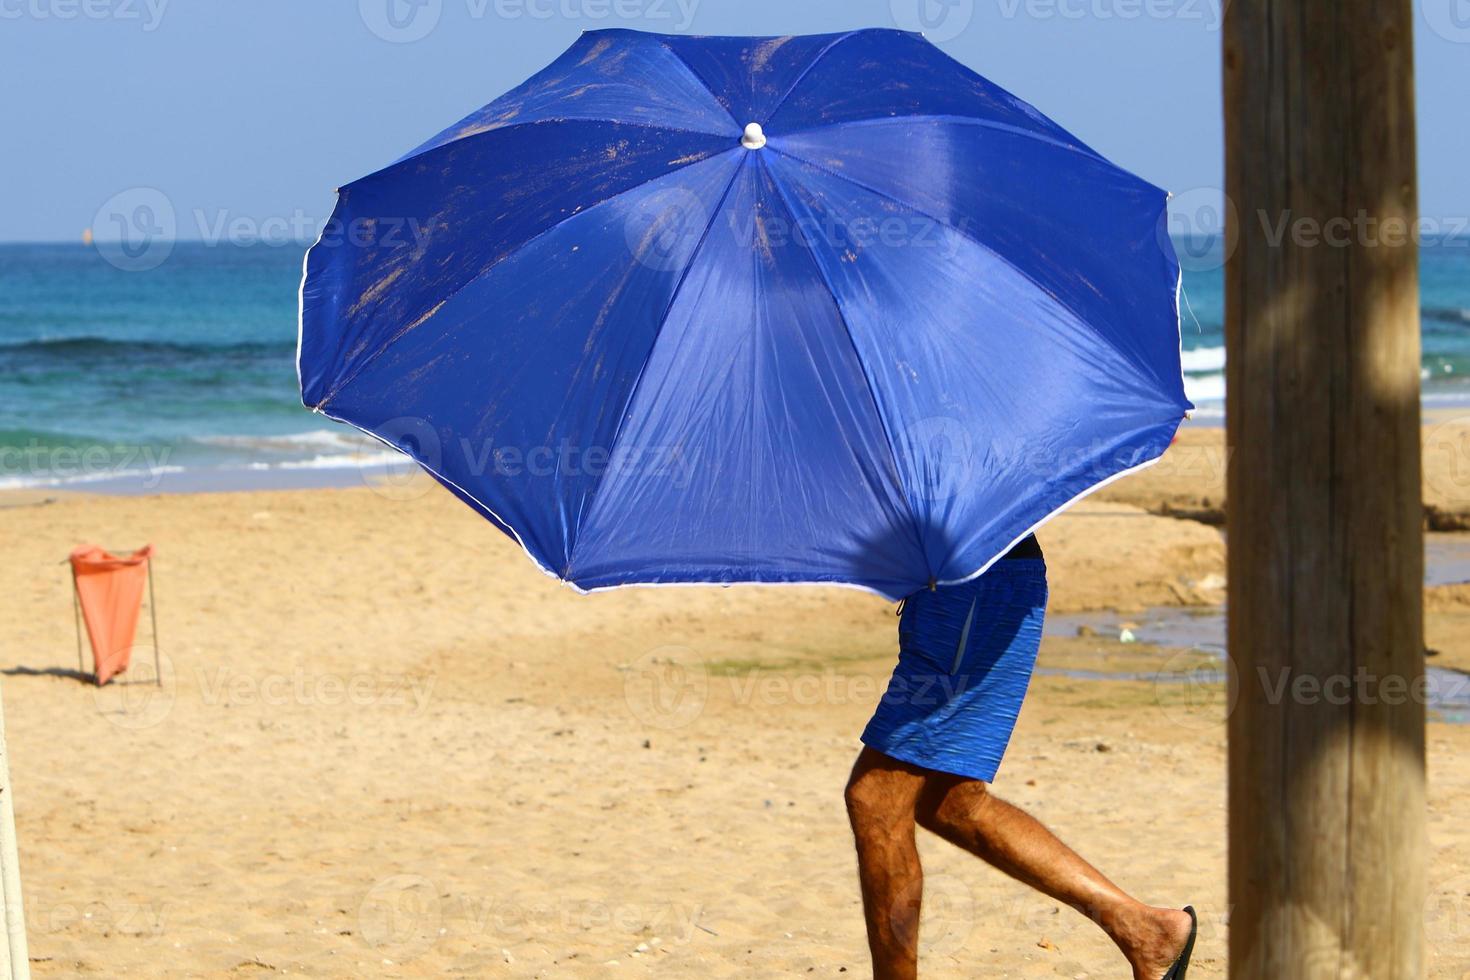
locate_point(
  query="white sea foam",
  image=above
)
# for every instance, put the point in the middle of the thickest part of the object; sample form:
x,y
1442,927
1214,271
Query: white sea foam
x,y
291,442
1203,359
378,461
1205,388
96,476
339,461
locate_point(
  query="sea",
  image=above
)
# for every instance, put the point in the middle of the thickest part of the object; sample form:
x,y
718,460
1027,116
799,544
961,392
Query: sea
x,y
183,377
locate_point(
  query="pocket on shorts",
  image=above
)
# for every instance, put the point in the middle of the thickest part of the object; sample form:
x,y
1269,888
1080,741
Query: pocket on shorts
x,y
1005,605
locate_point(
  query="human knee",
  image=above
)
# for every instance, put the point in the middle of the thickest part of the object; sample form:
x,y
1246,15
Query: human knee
x,y
870,803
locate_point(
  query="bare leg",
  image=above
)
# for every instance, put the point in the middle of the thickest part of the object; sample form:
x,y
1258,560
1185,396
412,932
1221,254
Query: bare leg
x,y
963,812
881,795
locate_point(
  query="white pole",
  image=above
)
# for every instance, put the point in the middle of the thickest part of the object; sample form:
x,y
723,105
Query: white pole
x,y
15,961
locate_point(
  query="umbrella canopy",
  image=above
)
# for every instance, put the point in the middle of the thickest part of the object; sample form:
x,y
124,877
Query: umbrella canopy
x,y
730,309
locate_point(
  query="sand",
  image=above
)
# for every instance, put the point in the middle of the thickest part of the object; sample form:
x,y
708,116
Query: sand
x,y
1190,479
387,745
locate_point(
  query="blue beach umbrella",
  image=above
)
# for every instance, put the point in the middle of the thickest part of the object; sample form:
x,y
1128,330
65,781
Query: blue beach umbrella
x,y
730,309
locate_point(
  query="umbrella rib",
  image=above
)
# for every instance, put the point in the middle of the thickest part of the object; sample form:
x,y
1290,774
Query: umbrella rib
x,y
947,117
612,445
337,388
867,381
419,155
807,70
978,243
702,81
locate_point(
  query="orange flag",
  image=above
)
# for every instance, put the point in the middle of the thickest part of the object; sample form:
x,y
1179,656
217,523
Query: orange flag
x,y
111,592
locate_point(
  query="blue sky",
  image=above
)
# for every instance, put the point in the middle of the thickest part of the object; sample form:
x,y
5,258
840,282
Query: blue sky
x,y
247,115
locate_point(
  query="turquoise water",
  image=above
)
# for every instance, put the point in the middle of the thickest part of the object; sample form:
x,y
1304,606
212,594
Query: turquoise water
x,y
1444,300
190,367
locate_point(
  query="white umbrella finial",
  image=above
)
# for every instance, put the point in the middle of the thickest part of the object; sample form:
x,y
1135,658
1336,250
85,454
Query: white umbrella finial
x,y
754,138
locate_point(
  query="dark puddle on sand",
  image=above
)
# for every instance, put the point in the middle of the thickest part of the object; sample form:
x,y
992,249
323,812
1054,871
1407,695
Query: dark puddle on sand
x,y
1446,559
1447,562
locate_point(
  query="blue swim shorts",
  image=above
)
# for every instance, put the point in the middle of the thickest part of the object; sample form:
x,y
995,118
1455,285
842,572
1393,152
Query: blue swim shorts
x,y
966,653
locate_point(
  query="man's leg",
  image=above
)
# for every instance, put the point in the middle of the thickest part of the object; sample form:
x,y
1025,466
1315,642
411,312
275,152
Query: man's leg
x,y
881,795
963,812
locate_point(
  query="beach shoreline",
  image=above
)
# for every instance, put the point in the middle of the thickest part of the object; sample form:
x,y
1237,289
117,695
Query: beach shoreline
x,y
1189,478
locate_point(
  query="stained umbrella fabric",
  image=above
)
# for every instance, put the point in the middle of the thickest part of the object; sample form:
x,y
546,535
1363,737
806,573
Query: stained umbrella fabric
x,y
874,339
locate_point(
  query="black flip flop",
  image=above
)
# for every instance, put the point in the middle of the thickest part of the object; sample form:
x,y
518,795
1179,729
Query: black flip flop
x,y
1181,965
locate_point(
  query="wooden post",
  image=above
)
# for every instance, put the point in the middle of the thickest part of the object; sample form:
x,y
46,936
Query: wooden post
x,y
1327,795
